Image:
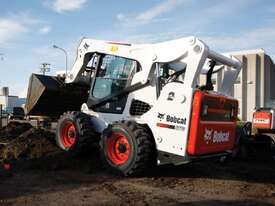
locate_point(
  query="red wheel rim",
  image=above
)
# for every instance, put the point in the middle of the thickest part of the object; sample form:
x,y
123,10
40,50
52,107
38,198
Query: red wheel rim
x,y
118,148
68,134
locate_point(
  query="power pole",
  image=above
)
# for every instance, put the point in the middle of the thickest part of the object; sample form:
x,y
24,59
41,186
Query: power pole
x,y
45,67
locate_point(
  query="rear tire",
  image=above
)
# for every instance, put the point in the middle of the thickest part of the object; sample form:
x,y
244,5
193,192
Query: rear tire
x,y
128,148
75,133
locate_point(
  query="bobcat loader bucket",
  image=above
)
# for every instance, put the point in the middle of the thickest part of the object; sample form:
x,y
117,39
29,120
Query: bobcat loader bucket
x,y
49,96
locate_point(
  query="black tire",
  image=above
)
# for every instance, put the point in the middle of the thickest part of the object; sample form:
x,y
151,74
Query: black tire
x,y
243,137
84,133
247,129
141,155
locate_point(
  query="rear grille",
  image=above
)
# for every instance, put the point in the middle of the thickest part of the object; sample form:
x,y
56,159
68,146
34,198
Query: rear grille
x,y
218,109
139,108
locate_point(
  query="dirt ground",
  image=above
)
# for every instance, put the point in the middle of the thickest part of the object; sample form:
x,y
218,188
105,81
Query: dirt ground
x,y
57,178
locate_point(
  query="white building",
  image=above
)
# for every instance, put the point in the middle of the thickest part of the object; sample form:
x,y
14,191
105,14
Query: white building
x,y
7,101
255,86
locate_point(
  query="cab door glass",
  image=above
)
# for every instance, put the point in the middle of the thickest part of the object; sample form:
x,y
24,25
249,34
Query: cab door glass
x,y
112,75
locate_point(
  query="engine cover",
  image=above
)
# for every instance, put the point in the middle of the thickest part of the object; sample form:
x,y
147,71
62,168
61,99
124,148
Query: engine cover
x,y
213,123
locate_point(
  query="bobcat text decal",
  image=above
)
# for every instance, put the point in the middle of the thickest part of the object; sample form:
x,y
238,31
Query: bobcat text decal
x,y
215,136
173,119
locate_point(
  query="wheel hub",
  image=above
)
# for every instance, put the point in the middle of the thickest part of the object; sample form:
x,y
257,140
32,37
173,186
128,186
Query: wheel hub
x,y
71,133
118,148
68,134
122,148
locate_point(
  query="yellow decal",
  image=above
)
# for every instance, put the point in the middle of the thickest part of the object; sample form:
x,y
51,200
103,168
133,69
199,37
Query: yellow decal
x,y
114,48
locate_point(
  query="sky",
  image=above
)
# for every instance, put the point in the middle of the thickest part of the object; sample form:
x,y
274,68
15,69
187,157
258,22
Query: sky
x,y
30,28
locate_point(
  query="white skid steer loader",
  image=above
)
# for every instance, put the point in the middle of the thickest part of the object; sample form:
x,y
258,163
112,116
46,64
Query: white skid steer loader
x,y
143,105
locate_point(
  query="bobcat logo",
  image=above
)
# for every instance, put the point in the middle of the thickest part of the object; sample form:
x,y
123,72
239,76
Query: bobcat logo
x,y
161,116
208,134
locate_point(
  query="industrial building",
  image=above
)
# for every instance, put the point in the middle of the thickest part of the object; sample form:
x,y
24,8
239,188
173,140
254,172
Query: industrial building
x,y
255,86
7,101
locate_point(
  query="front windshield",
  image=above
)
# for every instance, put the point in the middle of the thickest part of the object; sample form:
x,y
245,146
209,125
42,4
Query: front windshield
x,y
112,75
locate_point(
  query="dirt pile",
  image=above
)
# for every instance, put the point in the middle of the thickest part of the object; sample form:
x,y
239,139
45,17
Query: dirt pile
x,y
22,141
13,130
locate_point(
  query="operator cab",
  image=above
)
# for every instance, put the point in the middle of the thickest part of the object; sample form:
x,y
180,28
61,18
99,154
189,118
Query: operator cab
x,y
175,72
113,74
111,77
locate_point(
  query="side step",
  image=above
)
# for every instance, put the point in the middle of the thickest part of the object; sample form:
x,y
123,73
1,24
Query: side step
x,y
207,156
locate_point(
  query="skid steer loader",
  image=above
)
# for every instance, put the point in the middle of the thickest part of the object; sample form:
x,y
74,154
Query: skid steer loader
x,y
263,130
256,139
142,103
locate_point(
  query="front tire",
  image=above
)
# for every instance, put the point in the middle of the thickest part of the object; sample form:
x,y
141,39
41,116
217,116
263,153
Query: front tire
x,y
74,132
128,148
